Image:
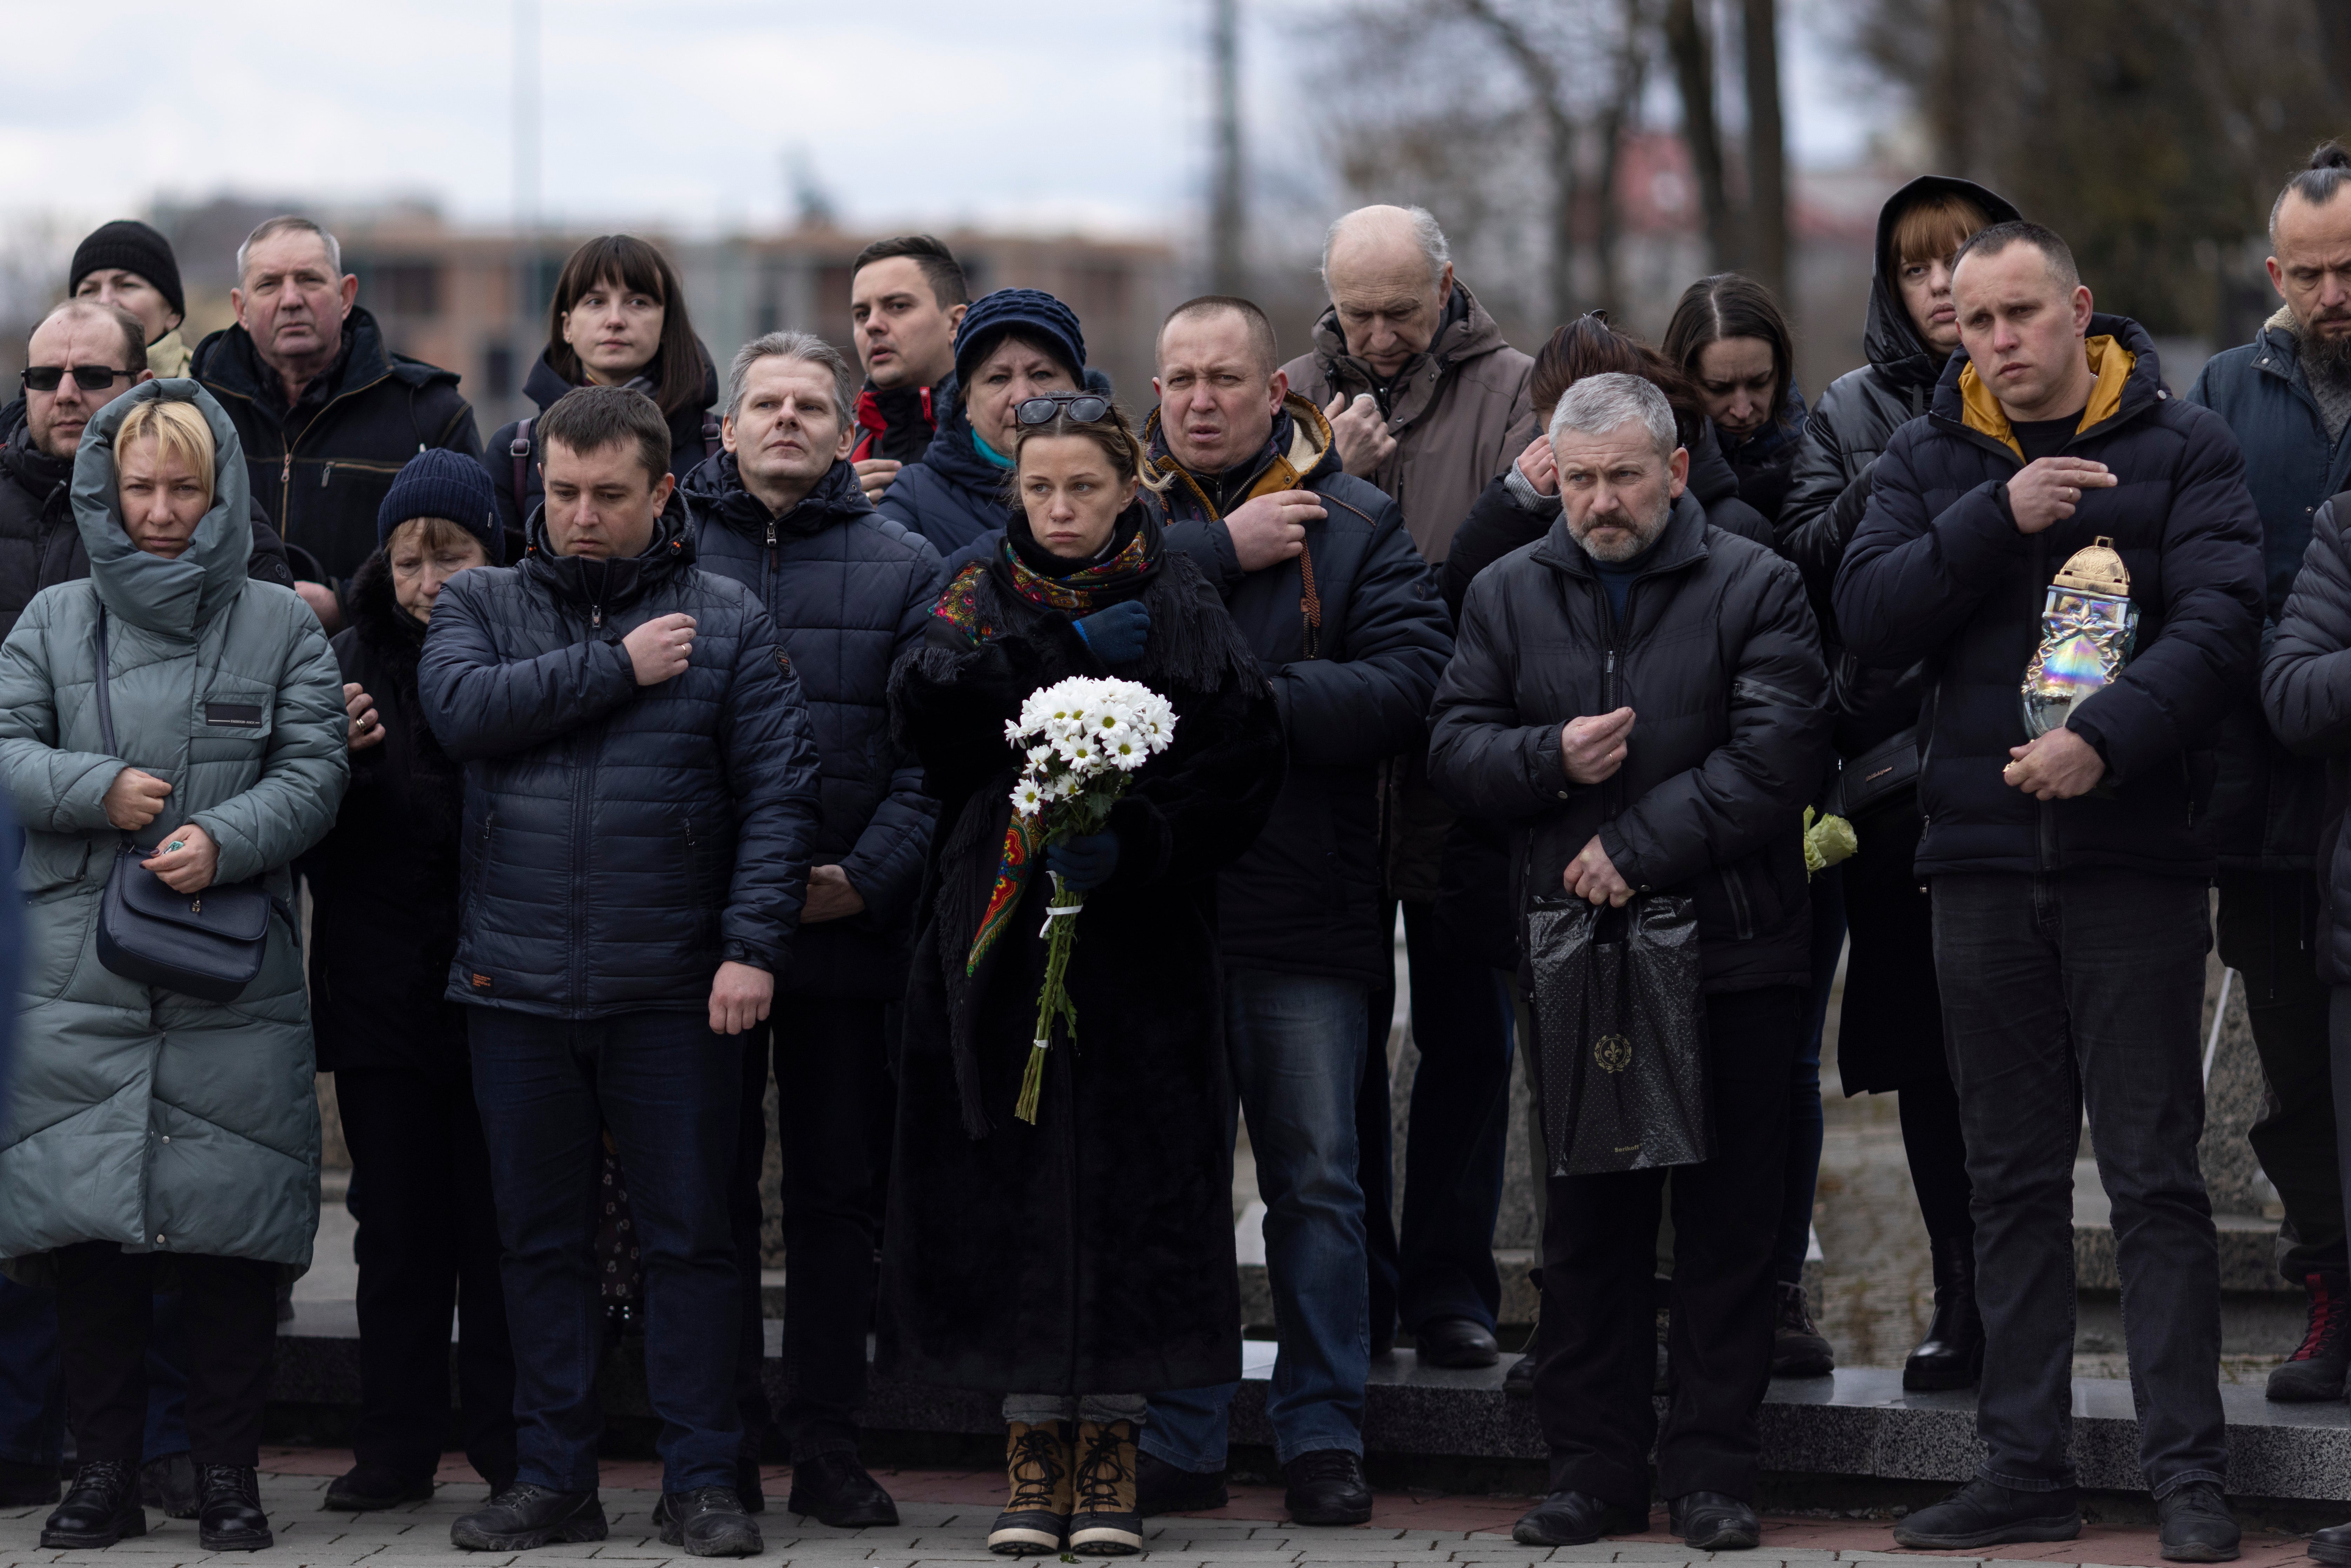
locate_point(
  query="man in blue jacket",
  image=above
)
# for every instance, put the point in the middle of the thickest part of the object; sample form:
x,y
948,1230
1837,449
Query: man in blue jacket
x,y
782,512
641,800
2287,396
1318,574
2068,889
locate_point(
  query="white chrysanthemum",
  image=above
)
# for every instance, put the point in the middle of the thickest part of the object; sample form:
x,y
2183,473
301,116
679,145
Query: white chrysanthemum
x,y
1028,797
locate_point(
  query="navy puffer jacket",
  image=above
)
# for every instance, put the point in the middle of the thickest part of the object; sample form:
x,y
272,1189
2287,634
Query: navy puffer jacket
x,y
848,591
620,841
693,441
1938,571
1354,652
953,496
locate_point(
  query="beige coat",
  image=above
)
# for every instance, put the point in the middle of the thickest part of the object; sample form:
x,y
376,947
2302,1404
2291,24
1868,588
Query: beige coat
x,y
1460,415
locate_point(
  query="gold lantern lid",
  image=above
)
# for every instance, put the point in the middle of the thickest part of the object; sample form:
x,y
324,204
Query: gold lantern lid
x,y
2095,569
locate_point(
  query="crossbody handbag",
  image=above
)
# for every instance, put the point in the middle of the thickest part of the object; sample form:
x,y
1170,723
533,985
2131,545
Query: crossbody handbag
x,y
205,944
1885,772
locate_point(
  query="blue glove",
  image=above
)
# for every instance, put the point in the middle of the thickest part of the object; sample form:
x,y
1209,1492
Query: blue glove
x,y
1083,864
1117,634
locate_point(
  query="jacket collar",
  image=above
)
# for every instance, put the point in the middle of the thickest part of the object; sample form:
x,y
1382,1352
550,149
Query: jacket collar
x,y
606,587
1299,452
2129,383
230,366
35,470
1683,544
716,490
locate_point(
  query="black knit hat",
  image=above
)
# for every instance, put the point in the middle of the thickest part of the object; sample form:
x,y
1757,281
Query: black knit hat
x,y
134,246
1028,312
438,483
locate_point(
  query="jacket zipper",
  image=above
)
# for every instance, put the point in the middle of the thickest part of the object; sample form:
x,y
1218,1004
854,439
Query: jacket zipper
x,y
768,582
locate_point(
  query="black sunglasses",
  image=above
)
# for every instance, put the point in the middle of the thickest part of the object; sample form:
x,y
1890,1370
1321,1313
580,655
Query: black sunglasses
x,y
1083,407
90,378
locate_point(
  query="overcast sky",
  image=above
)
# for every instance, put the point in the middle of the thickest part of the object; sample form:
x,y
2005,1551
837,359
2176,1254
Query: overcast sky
x,y
1037,113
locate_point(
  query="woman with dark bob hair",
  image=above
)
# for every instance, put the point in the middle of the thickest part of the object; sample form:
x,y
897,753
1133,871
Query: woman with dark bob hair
x,y
1727,336
618,318
1078,1264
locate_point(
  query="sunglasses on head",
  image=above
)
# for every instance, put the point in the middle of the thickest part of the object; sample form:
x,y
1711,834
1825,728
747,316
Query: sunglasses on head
x,y
1083,407
90,378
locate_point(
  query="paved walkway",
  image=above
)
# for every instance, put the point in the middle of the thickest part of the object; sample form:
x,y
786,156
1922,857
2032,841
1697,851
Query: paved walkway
x,y
946,1515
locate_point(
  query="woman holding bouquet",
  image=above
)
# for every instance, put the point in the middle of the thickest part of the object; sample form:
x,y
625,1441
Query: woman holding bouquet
x,y
1085,1260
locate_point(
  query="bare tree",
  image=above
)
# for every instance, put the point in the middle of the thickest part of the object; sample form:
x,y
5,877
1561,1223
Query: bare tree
x,y
1546,86
1766,149
1693,57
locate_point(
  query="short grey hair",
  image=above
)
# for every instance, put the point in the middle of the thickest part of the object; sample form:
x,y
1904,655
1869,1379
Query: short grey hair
x,y
289,223
805,346
1598,405
1424,233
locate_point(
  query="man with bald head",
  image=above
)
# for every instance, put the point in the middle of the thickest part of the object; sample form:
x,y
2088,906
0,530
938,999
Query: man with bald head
x,y
82,356
1318,576
1428,403
2287,396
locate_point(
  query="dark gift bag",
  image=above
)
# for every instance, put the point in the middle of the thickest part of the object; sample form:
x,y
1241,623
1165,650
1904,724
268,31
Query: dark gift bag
x,y
1620,1026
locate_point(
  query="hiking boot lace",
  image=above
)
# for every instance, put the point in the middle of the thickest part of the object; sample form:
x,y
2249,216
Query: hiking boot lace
x,y
1036,1471
2327,1321
1102,1472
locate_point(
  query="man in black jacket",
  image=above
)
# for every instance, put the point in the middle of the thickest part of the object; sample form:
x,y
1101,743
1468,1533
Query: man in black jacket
x,y
39,544
2068,890
640,798
780,512
1317,571
327,415
1638,695
906,297
2287,396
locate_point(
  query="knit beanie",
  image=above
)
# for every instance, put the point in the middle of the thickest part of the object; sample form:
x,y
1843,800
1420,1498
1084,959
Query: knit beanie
x,y
134,246
1033,313
438,482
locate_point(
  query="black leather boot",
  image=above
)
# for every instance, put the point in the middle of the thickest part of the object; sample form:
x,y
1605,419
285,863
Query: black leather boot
x,y
228,1509
100,1508
1951,1355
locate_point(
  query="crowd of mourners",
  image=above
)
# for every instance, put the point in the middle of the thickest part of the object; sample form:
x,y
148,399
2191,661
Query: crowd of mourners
x,y
560,794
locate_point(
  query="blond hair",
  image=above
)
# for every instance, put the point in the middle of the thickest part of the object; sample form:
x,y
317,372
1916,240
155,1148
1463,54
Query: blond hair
x,y
178,429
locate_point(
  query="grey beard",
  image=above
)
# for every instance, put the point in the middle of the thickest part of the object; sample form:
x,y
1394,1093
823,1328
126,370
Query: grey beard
x,y
2326,359
1645,534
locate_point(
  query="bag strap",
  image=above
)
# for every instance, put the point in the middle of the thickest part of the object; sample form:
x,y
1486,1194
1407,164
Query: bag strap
x,y
520,450
105,701
714,439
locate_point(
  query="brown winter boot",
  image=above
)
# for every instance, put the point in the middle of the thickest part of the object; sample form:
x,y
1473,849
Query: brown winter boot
x,y
1037,1464
1105,1522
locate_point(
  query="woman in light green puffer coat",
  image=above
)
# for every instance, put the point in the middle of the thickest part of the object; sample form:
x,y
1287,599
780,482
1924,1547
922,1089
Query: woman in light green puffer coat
x,y
152,1140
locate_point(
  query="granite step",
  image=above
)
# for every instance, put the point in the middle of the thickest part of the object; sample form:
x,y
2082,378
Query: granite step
x,y
1858,1425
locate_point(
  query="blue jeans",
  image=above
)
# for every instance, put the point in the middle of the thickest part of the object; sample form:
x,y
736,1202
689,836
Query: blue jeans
x,y
32,1387
1297,1044
1805,1127
664,1086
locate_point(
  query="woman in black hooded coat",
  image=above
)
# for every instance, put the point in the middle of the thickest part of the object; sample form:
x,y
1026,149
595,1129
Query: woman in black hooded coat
x,y
1089,1255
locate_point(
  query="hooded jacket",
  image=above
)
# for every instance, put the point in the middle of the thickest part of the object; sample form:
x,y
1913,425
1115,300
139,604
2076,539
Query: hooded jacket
x,y
320,469
1354,637
693,439
1863,408
39,543
622,841
140,1115
1940,572
2308,703
1718,656
849,592
2266,802
897,425
1459,411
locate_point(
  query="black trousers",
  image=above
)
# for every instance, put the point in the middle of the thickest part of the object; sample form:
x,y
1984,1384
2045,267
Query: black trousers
x,y
1595,1350
2267,933
228,1322
837,1106
428,1242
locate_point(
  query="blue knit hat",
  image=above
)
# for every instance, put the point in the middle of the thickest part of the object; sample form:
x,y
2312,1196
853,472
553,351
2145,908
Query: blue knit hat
x,y
1033,313
438,483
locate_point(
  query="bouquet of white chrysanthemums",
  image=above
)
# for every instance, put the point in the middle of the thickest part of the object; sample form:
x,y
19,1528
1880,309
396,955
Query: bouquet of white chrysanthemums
x,y
1084,738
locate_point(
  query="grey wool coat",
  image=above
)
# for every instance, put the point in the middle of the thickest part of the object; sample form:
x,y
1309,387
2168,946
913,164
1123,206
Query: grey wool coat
x,y
139,1114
